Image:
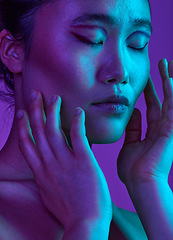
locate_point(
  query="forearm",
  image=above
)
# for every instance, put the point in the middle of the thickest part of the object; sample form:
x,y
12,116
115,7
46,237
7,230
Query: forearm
x,y
88,231
154,205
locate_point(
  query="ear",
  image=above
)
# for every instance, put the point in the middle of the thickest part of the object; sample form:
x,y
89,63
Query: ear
x,y
11,55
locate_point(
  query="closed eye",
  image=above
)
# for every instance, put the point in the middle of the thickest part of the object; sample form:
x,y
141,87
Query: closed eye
x,y
88,42
100,43
138,49
94,44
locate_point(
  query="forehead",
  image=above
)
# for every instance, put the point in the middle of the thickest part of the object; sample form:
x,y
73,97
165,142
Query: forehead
x,y
120,10
61,14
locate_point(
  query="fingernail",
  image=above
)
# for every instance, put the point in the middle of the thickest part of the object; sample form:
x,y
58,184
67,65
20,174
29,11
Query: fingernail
x,y
19,114
33,95
53,98
78,111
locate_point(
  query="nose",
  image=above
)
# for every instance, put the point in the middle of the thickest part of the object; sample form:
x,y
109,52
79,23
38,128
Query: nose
x,y
114,69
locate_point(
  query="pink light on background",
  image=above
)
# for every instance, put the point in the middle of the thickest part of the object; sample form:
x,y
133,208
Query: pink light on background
x,y
161,46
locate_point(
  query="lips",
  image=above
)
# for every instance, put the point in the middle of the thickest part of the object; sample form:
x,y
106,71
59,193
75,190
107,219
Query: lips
x,y
116,99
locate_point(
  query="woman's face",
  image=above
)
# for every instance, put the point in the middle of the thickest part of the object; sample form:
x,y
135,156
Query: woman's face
x,y
62,62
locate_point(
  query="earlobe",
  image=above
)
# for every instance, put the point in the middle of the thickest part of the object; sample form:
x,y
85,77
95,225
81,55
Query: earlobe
x,y
11,55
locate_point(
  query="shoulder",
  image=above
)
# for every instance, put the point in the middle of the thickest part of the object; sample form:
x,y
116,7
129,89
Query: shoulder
x,y
129,223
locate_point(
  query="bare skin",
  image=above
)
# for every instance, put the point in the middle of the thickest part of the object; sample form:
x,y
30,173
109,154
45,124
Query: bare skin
x,y
23,160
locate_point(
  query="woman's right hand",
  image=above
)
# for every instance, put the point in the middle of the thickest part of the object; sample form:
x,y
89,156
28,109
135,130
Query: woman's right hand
x,y
71,183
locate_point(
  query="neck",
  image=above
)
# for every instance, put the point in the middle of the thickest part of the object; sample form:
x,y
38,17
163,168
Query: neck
x,y
13,165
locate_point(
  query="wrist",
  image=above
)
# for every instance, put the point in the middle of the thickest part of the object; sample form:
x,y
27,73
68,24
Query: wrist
x,y
142,183
87,230
153,203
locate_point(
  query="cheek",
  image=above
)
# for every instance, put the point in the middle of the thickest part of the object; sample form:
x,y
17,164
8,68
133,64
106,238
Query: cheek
x,y
85,68
74,69
140,77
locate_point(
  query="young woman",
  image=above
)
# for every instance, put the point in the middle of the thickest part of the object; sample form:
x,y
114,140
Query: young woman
x,y
90,55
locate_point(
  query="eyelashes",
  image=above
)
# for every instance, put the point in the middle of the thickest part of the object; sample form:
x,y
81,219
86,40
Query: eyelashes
x,y
88,42
139,49
101,43
96,45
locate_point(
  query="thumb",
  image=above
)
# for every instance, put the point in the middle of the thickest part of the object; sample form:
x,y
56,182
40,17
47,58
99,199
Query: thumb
x,y
79,140
133,129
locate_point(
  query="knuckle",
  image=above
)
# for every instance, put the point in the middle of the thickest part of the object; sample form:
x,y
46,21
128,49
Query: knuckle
x,y
37,130
22,133
74,133
50,132
75,130
34,106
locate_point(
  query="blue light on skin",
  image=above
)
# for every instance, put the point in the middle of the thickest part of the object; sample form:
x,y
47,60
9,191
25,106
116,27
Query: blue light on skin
x,y
80,74
86,64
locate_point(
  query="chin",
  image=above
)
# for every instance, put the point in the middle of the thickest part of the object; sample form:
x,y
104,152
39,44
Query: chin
x,y
105,137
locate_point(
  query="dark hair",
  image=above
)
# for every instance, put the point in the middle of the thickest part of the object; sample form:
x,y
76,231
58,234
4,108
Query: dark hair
x,y
17,17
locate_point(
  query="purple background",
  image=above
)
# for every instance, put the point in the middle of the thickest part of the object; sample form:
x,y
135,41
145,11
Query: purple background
x,y
161,46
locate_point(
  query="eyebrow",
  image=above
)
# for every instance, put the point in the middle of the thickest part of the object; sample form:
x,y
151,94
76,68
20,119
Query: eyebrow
x,y
109,20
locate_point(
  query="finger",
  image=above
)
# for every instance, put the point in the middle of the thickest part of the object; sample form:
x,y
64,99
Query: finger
x,y
133,129
163,68
79,140
170,68
168,99
164,109
27,146
37,122
153,103
54,133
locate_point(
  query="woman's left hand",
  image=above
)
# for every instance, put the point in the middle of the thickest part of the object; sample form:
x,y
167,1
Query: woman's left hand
x,y
151,158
